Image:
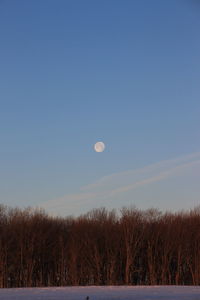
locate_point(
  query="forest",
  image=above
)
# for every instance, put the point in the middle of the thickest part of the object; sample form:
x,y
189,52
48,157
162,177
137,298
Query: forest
x,y
125,247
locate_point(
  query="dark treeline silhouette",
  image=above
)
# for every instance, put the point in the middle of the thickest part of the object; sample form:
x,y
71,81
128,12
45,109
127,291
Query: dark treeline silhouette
x,y
99,248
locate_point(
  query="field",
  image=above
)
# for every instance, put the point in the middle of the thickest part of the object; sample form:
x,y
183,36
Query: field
x,y
103,293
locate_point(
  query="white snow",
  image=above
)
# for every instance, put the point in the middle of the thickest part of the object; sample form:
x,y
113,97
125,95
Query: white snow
x,y
103,293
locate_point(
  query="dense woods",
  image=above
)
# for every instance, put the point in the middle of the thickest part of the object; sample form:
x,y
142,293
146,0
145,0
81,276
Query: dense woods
x,y
131,247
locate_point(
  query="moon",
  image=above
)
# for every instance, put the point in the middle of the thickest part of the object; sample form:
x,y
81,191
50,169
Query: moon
x,y
99,147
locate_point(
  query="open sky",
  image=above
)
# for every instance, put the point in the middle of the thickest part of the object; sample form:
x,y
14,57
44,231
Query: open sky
x,y
76,72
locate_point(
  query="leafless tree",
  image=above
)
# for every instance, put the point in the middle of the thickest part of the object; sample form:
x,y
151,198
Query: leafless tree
x,y
99,248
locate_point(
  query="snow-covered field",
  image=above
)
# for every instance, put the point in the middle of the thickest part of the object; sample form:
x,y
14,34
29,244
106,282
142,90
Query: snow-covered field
x,y
104,293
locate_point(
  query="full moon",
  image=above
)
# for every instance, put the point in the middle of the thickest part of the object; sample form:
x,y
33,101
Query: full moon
x,y
99,147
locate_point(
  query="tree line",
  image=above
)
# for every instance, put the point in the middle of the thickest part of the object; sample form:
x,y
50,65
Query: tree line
x,y
129,247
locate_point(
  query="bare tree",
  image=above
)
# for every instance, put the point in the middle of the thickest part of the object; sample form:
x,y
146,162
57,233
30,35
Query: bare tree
x,y
99,248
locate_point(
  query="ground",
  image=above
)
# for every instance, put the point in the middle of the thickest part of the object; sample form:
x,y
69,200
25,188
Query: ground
x,y
104,293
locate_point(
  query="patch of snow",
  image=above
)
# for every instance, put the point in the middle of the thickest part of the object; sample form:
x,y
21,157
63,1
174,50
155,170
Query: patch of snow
x,y
103,293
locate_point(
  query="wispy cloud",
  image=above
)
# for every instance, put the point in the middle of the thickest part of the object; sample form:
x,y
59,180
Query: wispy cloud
x,y
149,169
108,187
161,176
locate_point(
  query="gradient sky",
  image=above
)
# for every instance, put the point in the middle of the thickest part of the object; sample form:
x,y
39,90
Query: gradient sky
x,y
76,72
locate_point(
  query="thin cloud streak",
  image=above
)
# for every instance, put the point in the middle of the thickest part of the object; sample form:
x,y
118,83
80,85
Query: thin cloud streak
x,y
149,168
159,177
108,187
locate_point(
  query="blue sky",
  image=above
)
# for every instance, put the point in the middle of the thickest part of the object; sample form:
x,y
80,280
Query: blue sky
x,y
75,72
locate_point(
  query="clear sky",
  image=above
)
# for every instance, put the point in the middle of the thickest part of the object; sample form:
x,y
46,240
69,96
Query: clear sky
x,y
75,72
